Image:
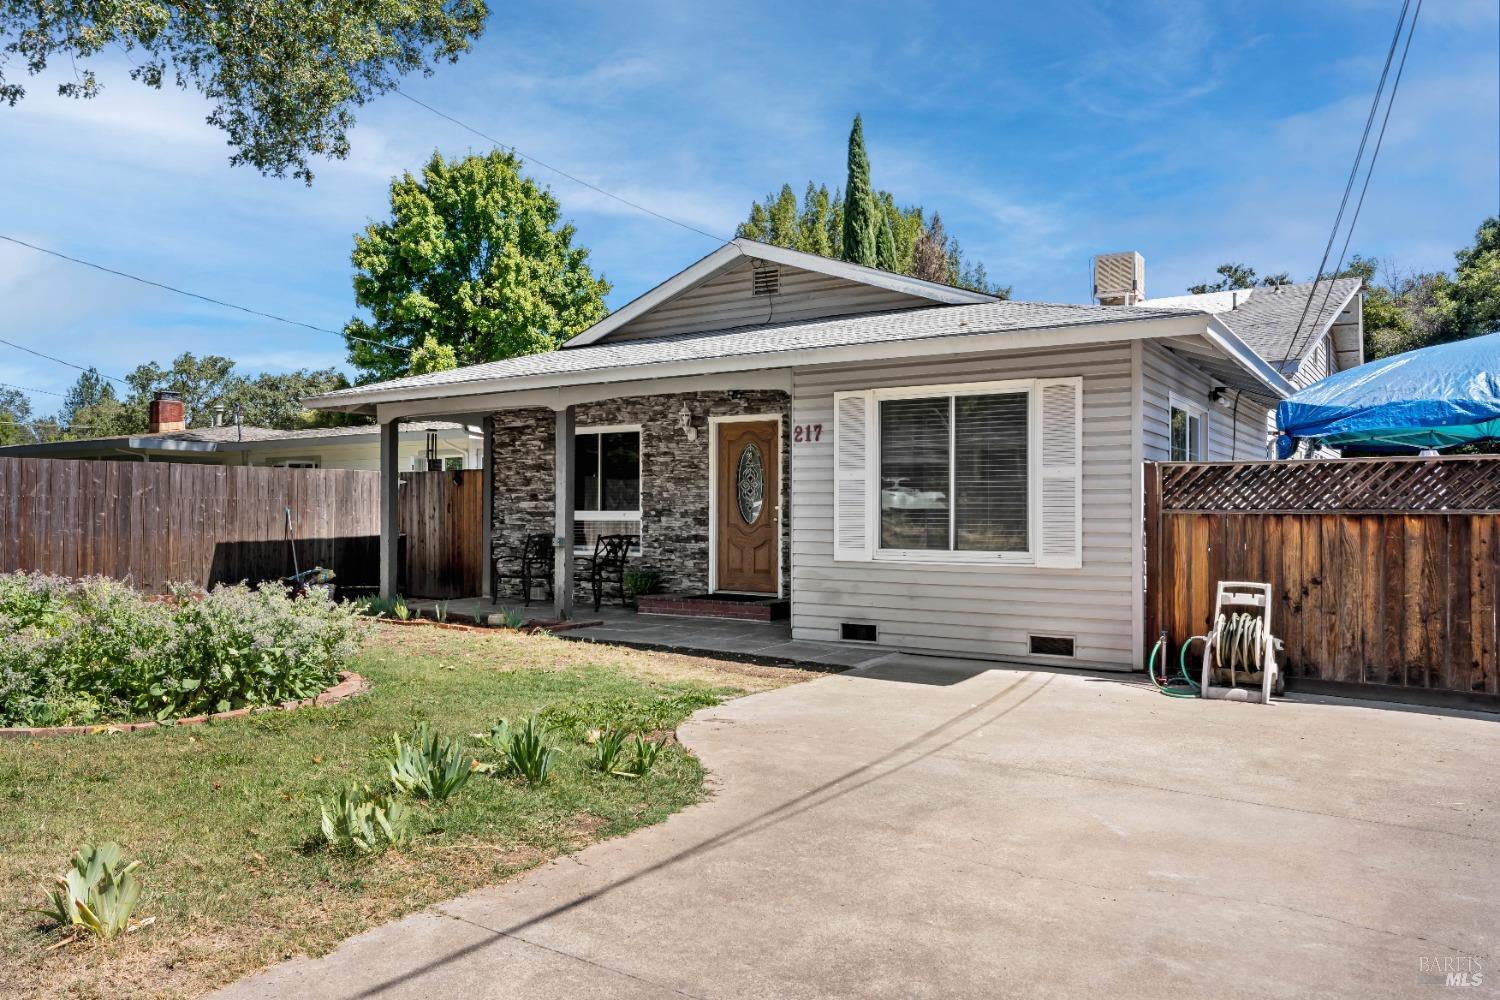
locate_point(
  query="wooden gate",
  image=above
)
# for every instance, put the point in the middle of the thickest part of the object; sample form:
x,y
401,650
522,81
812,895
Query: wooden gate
x,y
442,519
1385,571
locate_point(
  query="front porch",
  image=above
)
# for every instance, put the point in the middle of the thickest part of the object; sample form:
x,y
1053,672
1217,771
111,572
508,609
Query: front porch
x,y
756,642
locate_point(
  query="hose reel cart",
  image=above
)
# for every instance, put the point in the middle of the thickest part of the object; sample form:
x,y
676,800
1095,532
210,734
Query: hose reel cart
x,y
1239,652
1240,648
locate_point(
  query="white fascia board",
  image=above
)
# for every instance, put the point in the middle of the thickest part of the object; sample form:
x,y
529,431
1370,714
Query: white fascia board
x,y
680,282
458,396
1227,341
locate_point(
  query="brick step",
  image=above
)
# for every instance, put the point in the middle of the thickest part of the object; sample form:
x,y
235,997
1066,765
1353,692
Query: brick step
x,y
768,609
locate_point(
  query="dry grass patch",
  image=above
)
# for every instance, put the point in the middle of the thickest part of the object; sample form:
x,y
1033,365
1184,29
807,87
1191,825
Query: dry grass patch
x,y
225,816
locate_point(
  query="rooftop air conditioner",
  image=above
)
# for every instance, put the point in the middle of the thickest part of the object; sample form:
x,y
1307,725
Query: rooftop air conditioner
x,y
1119,278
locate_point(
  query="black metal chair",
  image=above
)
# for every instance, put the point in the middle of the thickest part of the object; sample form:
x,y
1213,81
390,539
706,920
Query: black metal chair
x,y
536,564
607,565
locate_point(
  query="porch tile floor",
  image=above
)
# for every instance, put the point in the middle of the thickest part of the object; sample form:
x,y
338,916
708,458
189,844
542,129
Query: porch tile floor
x,y
762,642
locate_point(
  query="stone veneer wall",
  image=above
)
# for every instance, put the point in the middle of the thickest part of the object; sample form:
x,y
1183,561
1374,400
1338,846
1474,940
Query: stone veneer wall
x,y
674,481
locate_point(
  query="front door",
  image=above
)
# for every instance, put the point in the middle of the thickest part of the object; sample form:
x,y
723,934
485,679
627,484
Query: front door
x,y
748,499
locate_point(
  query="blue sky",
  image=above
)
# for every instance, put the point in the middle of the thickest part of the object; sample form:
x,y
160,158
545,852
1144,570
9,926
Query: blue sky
x,y
1044,133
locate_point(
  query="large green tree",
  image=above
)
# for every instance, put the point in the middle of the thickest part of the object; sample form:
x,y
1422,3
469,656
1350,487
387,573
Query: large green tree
x,y
283,76
475,259
861,210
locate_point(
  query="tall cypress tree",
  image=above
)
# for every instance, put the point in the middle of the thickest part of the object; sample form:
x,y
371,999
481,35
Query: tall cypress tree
x,y
885,250
861,218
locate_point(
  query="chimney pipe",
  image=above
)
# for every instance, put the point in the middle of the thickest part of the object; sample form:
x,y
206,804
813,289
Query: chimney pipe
x,y
167,413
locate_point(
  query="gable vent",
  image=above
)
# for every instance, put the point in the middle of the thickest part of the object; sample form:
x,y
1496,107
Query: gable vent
x,y
1051,645
765,278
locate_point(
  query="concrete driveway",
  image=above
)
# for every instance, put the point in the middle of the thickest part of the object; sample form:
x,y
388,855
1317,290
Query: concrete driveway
x,y
919,829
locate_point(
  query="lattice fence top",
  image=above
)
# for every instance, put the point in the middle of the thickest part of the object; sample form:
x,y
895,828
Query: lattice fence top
x,y
1420,485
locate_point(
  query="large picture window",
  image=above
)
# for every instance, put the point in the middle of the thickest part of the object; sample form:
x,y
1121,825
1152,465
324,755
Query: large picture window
x,y
606,484
954,473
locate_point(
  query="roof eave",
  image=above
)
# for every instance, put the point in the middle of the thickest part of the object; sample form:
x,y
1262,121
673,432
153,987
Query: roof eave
x,y
1122,329
1228,341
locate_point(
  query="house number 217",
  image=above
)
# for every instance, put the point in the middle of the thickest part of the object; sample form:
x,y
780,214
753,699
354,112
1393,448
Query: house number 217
x,y
807,433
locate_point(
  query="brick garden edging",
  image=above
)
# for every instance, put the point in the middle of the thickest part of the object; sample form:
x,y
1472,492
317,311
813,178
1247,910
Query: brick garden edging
x,y
349,685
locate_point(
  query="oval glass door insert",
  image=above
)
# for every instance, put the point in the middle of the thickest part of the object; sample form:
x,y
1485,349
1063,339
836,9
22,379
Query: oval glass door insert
x,y
750,483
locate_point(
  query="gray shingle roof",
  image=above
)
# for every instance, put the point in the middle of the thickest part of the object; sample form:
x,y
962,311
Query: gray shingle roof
x,y
1267,320
844,331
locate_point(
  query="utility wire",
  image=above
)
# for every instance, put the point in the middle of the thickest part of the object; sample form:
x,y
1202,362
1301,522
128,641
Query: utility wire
x,y
561,173
1379,139
194,295
1353,175
27,388
28,350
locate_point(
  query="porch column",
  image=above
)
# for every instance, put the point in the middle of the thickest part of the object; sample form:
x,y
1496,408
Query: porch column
x,y
390,522
564,466
487,535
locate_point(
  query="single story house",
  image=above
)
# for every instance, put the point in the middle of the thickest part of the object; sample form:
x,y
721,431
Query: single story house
x,y
910,464
168,439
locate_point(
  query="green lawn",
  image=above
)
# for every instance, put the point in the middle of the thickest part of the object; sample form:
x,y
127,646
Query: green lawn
x,y
225,816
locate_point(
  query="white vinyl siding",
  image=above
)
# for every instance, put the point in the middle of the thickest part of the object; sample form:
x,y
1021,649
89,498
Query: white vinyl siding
x,y
726,301
985,610
1235,433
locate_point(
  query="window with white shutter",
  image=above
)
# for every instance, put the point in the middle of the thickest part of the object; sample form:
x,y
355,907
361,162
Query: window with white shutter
x,y
987,472
851,476
1060,492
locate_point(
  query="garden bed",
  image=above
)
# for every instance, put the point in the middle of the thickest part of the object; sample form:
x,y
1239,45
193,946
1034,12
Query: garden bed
x,y
93,652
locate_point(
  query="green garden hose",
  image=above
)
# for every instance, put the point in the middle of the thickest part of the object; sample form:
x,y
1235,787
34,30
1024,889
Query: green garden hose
x,y
1182,686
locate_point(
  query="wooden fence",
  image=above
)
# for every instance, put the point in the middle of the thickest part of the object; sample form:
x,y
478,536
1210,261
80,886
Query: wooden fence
x,y
442,518
158,523
1384,571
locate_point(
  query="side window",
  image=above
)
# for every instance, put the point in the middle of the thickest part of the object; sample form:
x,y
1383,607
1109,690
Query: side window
x,y
1189,432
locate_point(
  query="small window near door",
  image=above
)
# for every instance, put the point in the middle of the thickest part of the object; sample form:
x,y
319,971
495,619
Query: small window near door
x,y
607,484
1189,432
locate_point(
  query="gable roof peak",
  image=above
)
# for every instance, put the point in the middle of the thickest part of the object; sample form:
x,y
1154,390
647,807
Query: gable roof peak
x,y
742,248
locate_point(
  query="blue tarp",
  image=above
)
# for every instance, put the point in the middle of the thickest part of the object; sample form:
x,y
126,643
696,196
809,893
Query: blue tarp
x,y
1436,397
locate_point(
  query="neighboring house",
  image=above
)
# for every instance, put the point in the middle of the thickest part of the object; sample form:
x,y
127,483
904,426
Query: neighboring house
x,y
168,440
912,464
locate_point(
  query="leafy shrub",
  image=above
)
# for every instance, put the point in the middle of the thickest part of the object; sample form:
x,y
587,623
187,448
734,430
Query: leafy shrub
x,y
641,580
93,650
608,749
375,606
630,714
428,765
97,894
361,820
528,755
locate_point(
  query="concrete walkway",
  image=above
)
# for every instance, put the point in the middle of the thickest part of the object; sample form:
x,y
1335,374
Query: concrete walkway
x,y
930,829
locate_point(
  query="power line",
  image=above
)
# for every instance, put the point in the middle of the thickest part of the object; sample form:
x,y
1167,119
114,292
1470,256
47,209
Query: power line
x,y
28,350
560,172
1379,139
195,295
1353,175
27,388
